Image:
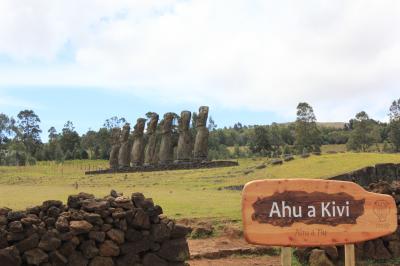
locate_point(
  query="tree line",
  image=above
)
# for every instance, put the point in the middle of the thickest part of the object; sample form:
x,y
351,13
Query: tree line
x,y
21,144
360,133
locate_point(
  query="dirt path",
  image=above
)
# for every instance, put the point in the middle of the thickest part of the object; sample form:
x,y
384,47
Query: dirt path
x,y
237,261
230,251
220,247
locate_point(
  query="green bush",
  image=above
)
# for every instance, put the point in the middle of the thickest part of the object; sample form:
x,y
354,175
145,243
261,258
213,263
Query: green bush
x,y
16,158
68,156
30,160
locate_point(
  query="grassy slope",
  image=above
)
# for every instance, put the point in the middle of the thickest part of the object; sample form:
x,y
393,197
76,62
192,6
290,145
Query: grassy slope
x,y
188,193
324,148
334,148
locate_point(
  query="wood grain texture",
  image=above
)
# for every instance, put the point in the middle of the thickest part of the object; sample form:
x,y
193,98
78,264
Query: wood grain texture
x,y
379,216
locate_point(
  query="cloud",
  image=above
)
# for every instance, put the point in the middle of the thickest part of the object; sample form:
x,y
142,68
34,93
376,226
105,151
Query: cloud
x,y
9,101
341,56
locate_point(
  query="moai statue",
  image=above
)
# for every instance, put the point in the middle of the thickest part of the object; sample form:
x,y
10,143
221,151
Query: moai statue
x,y
150,156
137,153
184,150
201,143
166,154
115,145
123,155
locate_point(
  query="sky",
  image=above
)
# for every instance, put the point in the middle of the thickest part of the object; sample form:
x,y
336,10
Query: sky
x,y
250,61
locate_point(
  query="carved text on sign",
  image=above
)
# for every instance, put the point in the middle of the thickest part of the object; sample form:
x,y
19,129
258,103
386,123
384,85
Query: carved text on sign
x,y
288,207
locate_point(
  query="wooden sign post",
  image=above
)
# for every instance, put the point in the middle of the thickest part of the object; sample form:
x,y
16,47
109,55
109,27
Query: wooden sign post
x,y
314,212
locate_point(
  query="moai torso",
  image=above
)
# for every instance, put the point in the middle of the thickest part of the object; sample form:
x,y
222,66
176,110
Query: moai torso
x,y
166,154
201,143
123,155
115,145
184,150
150,156
137,153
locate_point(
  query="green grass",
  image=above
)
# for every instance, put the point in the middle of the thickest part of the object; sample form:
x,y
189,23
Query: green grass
x,y
334,148
324,148
182,194
389,262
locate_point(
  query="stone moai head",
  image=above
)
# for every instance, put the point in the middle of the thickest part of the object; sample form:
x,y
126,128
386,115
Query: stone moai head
x,y
202,116
184,120
167,122
125,132
152,124
139,127
115,135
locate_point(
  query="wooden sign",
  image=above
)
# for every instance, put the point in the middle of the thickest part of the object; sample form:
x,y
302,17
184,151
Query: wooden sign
x,y
312,212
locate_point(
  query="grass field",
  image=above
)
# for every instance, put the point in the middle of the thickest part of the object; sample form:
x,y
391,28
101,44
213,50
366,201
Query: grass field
x,y
182,194
324,148
333,148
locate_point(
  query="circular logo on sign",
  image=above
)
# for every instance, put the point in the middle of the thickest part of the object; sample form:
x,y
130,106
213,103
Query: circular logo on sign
x,y
381,210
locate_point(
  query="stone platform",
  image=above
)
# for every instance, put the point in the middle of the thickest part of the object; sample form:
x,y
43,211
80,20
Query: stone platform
x,y
166,167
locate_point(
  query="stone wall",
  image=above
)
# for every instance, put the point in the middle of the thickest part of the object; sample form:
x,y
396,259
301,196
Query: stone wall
x,y
365,176
115,230
381,178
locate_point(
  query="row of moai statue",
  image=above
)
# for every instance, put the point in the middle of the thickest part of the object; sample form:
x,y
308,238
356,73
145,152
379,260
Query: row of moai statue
x,y
144,147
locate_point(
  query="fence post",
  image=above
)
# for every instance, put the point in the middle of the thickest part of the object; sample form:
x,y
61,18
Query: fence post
x,y
349,255
286,256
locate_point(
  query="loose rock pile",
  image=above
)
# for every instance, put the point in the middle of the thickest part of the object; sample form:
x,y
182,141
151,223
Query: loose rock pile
x,y
385,179
115,230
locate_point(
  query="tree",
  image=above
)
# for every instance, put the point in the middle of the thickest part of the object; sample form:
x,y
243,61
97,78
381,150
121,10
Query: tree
x,y
276,138
386,147
236,151
52,134
220,135
288,134
69,138
16,153
286,150
103,144
364,133
89,142
59,154
84,154
7,126
394,126
211,124
259,142
307,133
114,122
48,151
29,130
337,137
238,126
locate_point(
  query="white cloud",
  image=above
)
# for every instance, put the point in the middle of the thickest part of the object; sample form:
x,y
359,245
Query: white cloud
x,y
341,56
9,101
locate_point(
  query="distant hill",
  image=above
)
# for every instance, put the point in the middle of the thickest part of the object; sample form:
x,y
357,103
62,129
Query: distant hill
x,y
331,124
337,125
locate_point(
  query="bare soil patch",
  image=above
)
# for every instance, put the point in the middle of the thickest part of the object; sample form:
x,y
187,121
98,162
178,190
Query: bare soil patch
x,y
238,261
